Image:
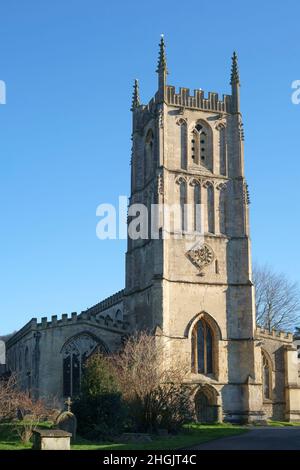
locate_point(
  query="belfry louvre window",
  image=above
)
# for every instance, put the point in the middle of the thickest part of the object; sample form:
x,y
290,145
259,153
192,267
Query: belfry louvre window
x,y
202,348
201,145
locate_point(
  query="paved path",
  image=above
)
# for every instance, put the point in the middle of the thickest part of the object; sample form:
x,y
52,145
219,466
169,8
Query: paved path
x,y
285,438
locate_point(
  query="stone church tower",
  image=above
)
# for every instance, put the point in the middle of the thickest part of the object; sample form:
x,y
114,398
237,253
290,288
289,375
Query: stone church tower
x,y
189,282
195,290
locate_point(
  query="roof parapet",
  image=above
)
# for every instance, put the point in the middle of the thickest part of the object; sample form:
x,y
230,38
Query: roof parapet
x,y
275,334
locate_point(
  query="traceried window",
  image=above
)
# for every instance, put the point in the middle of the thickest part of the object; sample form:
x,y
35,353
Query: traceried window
x,y
266,376
202,348
75,353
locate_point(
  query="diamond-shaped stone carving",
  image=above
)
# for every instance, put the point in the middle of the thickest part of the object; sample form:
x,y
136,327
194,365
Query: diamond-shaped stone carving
x,y
201,256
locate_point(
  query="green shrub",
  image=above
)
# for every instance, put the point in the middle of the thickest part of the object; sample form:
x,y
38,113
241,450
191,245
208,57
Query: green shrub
x,y
99,417
99,409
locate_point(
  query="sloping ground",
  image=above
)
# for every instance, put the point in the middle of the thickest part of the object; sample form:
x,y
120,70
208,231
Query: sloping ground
x,y
265,438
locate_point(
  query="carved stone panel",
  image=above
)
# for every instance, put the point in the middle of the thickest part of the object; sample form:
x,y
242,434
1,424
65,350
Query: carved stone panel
x,y
200,256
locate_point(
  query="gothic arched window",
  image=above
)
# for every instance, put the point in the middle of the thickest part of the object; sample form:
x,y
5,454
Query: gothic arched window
x,y
266,376
197,208
119,315
150,203
222,210
202,348
222,150
210,208
149,143
183,143
201,145
183,202
75,352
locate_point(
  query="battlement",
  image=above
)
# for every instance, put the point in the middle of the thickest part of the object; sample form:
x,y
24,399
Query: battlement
x,y
87,315
229,104
274,334
106,303
84,316
198,100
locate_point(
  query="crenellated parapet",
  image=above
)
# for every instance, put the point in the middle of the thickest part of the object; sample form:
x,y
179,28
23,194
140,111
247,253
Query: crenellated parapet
x,y
198,100
91,315
85,316
229,104
274,334
106,303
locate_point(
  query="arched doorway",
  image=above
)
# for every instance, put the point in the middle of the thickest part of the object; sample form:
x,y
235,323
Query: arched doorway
x,y
206,409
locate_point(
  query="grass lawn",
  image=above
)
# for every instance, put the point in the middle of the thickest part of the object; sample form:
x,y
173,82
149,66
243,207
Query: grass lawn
x,y
191,435
9,438
281,423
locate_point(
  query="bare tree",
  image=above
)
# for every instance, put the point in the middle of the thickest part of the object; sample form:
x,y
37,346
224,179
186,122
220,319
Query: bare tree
x,y
154,390
277,299
14,402
34,410
8,397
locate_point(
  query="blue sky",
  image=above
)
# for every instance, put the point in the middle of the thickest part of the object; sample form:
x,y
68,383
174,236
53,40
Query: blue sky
x,y
65,142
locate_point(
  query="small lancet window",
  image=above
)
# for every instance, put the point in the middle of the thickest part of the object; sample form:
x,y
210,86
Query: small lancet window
x,y
217,269
148,161
183,202
182,143
266,376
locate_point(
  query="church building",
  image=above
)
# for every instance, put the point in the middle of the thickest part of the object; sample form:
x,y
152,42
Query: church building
x,y
191,285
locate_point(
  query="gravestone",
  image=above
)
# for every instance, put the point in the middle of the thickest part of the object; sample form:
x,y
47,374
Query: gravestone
x,y
51,439
66,420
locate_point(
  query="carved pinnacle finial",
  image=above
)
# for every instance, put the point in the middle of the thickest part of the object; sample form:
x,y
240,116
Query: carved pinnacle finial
x,y
136,95
162,61
235,77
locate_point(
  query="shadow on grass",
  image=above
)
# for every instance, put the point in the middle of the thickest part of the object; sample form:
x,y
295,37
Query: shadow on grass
x,y
191,435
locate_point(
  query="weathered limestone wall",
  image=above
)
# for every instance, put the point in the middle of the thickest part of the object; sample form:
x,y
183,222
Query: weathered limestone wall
x,y
35,353
284,400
